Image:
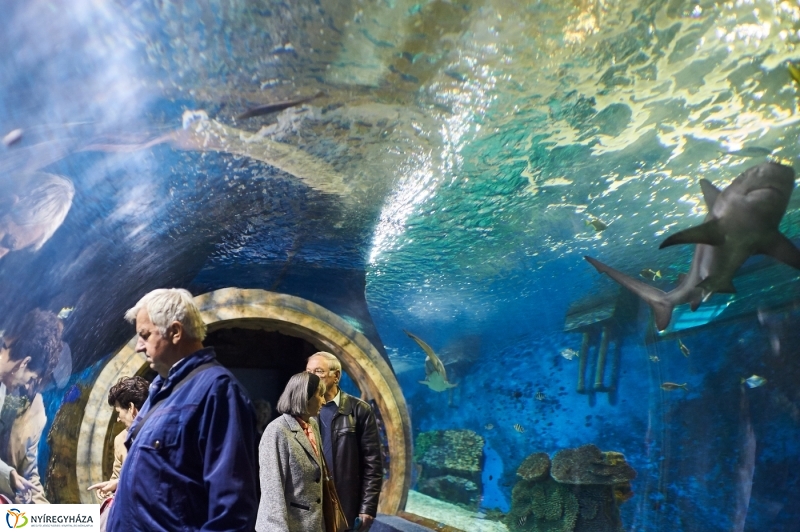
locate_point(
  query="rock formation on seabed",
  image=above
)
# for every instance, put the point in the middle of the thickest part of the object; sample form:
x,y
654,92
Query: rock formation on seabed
x,y
580,490
451,462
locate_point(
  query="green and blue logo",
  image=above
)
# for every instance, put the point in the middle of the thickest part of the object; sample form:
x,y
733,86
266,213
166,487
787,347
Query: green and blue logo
x,y
16,518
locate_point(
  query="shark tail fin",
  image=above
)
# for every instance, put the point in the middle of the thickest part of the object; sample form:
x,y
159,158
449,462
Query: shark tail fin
x,y
706,233
655,298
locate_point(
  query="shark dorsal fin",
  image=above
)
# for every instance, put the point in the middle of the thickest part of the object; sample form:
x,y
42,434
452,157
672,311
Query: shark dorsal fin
x,y
706,233
710,193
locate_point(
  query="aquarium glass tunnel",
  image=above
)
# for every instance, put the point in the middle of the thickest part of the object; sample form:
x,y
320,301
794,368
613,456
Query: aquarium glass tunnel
x,y
553,243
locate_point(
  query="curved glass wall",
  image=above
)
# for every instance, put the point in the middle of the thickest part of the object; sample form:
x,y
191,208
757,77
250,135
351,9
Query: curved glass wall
x,y
434,173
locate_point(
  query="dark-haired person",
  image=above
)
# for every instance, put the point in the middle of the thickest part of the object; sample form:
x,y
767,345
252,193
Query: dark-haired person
x,y
127,397
290,461
30,351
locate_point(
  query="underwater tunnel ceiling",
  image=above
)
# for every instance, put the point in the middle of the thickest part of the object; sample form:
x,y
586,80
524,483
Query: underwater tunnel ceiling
x,y
461,154
439,167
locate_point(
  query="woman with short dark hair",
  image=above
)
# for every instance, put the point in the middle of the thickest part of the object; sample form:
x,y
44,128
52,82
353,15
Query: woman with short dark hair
x,y
290,461
127,396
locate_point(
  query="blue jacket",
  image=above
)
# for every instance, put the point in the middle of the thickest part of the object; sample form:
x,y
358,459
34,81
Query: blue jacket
x,y
193,465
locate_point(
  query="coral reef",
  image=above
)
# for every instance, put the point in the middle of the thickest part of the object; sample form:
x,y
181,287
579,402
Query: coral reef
x,y
450,463
581,493
534,467
589,465
450,452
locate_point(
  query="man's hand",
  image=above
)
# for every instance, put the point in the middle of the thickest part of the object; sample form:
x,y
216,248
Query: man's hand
x,y
104,489
21,486
366,522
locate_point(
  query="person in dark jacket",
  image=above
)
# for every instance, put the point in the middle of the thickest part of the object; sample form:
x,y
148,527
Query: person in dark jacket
x,y
350,443
191,462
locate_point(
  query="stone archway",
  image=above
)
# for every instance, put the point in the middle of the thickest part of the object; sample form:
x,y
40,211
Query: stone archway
x,y
290,315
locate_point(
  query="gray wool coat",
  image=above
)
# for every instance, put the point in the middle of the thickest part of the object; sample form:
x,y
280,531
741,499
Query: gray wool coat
x,y
291,479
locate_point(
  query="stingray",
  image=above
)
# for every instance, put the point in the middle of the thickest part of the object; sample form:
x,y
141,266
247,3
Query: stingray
x,y
435,374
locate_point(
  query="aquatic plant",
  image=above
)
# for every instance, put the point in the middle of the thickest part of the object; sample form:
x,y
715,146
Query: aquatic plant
x,y
578,495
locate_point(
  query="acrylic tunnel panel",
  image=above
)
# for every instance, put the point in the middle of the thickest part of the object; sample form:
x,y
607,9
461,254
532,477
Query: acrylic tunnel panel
x,y
567,229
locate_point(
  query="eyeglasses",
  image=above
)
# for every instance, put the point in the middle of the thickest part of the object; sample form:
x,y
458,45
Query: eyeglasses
x,y
319,372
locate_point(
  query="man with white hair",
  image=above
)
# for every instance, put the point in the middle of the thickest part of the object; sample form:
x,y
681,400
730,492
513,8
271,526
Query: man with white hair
x,y
191,462
350,444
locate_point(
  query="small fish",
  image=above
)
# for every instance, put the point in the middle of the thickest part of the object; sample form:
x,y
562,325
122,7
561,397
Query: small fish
x,y
488,426
521,521
670,386
754,381
540,396
597,224
519,428
275,107
455,75
650,275
65,312
654,358
13,137
568,353
794,72
750,151
683,348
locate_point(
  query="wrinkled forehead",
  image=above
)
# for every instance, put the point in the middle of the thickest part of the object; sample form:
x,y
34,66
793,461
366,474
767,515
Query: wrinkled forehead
x,y
318,362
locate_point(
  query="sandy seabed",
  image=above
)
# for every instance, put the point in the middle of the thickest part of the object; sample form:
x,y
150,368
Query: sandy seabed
x,y
450,514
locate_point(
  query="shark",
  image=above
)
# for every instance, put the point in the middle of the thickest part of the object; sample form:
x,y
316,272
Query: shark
x,y
742,221
435,374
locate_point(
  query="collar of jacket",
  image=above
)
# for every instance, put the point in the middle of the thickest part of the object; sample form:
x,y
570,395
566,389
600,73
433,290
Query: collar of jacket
x,y
301,437
180,370
345,405
294,425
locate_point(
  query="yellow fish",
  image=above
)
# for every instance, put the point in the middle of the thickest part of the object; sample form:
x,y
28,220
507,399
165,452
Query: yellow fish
x,y
670,386
683,348
654,358
540,396
650,275
488,426
794,72
519,428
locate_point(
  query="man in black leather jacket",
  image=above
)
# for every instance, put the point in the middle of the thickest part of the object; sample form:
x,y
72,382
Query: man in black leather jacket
x,y
350,443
